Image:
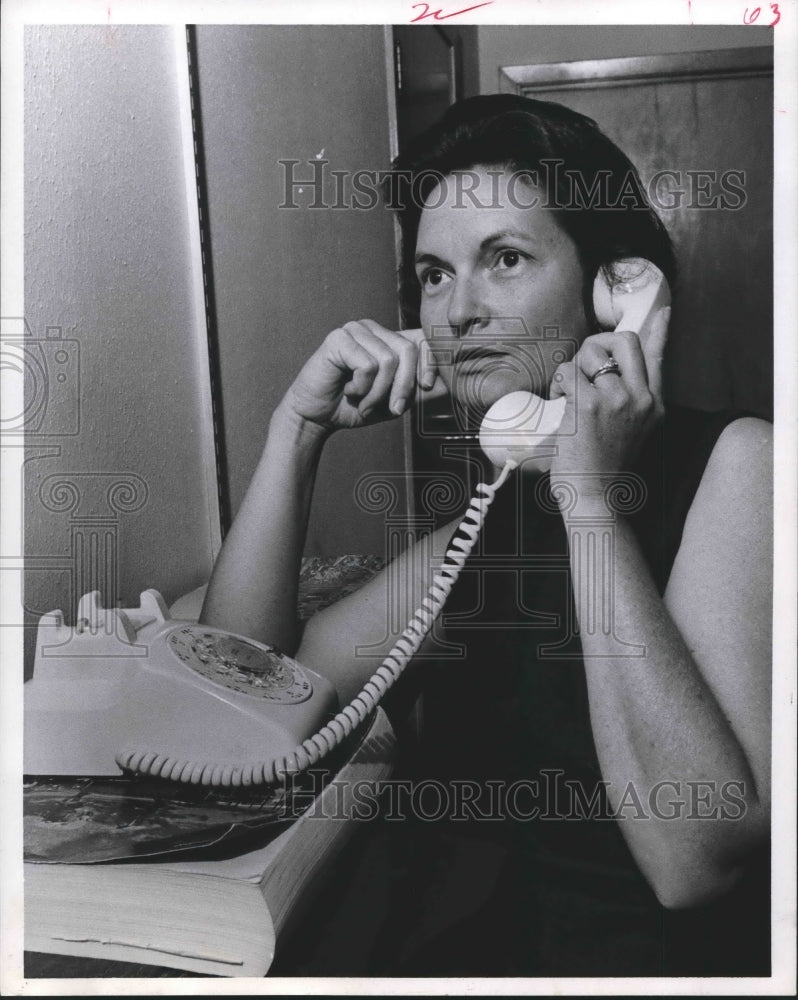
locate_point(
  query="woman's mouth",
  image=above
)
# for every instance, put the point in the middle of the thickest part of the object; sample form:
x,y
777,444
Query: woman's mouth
x,y
482,374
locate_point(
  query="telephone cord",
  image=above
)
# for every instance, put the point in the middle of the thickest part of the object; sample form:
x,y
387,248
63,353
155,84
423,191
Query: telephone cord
x,y
407,645
331,735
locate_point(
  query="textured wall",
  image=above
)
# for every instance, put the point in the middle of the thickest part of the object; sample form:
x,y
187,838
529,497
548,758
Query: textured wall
x,y
106,261
286,277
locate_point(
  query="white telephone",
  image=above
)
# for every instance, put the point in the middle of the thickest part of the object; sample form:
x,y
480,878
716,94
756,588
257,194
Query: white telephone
x,y
135,690
523,427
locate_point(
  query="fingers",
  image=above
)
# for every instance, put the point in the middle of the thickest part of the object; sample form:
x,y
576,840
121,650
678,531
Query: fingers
x,y
640,361
438,390
426,366
429,384
398,366
347,355
564,381
395,367
591,358
653,352
623,386
625,347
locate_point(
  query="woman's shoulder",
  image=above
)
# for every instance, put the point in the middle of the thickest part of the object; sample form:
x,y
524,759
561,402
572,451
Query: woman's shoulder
x,y
733,504
697,444
685,426
687,460
744,438
739,471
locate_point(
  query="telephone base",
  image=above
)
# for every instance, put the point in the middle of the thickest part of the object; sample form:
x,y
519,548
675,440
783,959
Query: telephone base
x,y
193,703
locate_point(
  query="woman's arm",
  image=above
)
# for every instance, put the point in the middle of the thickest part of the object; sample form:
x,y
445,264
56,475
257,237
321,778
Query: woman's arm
x,y
348,640
682,729
253,588
362,373
682,725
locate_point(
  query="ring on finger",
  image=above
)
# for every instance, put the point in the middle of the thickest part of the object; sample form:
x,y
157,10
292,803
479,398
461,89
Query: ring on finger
x,y
610,367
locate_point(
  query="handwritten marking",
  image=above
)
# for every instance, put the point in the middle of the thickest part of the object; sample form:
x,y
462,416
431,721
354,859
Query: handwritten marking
x,y
438,15
754,15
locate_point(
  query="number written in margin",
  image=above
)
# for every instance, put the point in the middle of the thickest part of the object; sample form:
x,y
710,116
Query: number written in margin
x,y
752,16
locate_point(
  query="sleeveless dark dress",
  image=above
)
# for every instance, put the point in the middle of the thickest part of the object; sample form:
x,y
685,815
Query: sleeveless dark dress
x,y
556,892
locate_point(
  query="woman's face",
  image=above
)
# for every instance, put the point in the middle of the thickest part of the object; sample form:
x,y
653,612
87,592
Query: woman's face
x,y
501,287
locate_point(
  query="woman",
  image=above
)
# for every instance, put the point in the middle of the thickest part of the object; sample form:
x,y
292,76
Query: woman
x,y
657,727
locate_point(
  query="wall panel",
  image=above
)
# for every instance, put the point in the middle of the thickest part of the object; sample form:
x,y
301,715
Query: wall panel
x,y
107,270
284,277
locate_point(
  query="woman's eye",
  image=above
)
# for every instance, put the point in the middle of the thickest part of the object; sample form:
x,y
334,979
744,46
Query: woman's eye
x,y
508,259
433,278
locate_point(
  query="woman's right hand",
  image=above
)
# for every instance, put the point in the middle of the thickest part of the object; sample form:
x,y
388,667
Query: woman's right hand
x,y
361,374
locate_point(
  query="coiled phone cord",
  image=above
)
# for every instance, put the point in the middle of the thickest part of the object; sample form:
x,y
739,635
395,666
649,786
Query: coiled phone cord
x,y
313,749
407,645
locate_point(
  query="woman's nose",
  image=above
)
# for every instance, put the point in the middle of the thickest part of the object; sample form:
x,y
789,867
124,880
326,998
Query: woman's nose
x,y
465,306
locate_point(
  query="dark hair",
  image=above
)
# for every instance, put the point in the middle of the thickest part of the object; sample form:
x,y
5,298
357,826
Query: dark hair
x,y
592,186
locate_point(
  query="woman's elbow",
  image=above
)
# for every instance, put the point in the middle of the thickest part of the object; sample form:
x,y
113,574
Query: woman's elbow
x,y
676,890
699,874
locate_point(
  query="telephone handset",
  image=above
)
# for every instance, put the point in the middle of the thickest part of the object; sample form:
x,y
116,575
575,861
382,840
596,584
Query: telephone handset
x,y
135,689
523,427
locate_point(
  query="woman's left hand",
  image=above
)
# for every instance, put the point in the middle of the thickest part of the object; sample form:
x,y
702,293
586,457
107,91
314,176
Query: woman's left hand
x,y
614,410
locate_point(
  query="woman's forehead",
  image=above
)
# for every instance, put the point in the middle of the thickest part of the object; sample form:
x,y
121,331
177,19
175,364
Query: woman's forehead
x,y
476,204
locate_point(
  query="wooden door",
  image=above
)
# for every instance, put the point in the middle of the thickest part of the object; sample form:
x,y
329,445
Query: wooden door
x,y
699,128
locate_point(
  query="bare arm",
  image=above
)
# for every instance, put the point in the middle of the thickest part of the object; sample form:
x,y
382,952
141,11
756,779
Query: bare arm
x,y
362,373
683,726
253,589
683,729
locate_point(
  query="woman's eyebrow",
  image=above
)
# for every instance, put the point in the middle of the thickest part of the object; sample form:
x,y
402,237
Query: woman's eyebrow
x,y
486,244
429,258
505,234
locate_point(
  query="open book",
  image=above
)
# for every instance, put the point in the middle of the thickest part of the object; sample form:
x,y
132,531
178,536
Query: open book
x,y
177,907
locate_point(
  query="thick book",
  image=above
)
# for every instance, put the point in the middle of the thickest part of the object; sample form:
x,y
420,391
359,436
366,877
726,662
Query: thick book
x,y
205,886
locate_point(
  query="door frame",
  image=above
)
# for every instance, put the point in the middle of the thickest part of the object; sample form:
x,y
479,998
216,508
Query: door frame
x,y
591,74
